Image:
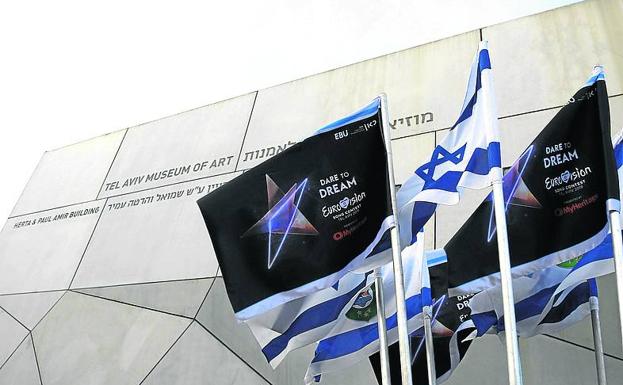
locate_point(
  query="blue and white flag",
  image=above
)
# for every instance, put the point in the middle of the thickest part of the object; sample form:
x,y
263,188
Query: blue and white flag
x,y
562,185
355,336
545,303
468,157
308,319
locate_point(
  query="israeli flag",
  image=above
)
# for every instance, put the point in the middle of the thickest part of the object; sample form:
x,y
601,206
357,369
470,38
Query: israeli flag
x,y
308,319
545,302
468,157
356,336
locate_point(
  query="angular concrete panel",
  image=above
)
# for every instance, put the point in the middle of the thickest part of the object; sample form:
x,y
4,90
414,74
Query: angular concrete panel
x,y
409,153
42,251
483,364
198,358
85,340
549,361
69,175
29,309
616,115
412,80
176,297
159,235
540,61
582,333
217,316
191,145
11,335
21,368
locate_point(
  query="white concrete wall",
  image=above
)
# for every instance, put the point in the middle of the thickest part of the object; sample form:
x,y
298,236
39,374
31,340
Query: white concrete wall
x,y
129,289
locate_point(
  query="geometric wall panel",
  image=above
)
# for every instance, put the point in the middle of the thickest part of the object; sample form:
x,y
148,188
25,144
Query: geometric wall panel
x,y
41,251
194,144
483,364
69,175
217,316
555,52
85,340
197,359
140,266
11,335
30,308
549,361
159,235
174,297
21,368
409,152
411,78
582,333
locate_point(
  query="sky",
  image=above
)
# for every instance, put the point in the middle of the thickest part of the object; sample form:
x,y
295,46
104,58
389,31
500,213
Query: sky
x,y
73,70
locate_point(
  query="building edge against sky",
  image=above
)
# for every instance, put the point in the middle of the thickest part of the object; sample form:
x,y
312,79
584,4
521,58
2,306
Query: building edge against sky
x,y
145,302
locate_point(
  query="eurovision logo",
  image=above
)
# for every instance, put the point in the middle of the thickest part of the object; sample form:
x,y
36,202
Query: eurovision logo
x,y
364,307
283,218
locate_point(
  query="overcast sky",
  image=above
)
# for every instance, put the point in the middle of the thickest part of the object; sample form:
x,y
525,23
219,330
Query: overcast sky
x,y
72,70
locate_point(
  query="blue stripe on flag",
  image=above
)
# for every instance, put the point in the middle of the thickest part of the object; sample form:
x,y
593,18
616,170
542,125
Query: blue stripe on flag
x,y
618,154
598,74
354,340
483,63
599,253
365,112
422,211
592,286
484,321
578,296
480,163
311,318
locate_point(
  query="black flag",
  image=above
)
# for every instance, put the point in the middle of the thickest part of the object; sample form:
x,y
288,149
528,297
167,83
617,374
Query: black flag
x,y
302,219
556,197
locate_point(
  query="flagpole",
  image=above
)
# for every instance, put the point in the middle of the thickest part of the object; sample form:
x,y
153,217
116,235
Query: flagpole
x,y
382,326
617,249
599,347
515,376
427,313
401,309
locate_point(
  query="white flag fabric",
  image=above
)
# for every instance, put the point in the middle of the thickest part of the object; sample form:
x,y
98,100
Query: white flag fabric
x,y
468,157
355,336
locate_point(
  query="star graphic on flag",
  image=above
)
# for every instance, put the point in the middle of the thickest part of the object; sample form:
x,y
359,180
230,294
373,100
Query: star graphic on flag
x,y
516,192
282,219
440,156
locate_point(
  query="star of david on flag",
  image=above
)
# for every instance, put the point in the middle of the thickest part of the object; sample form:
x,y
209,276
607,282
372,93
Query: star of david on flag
x,y
468,157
